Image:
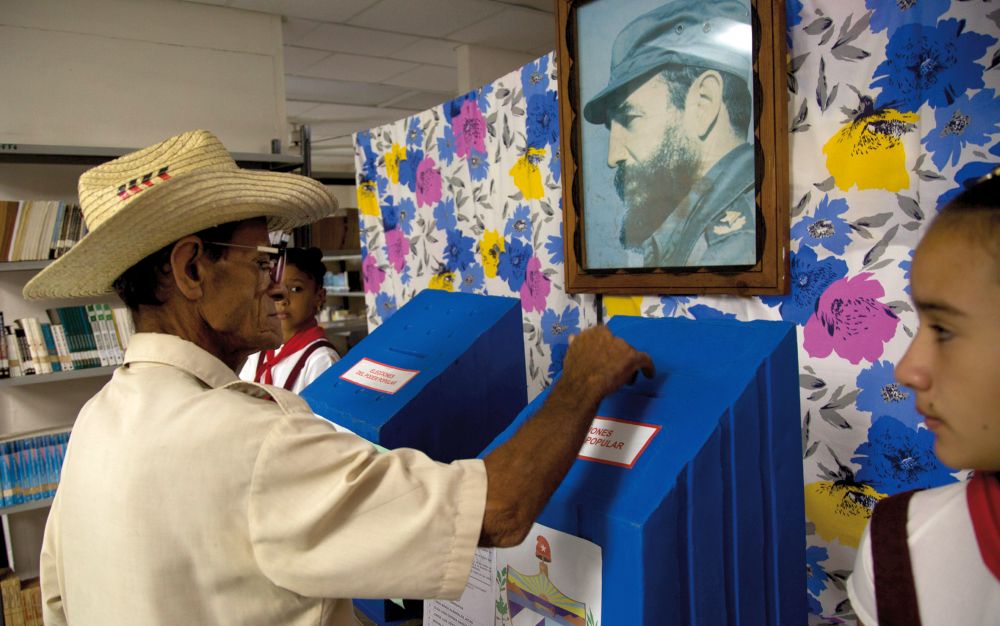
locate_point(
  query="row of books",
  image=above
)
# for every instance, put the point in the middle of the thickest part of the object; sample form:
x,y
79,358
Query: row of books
x,y
74,337
37,230
30,466
22,604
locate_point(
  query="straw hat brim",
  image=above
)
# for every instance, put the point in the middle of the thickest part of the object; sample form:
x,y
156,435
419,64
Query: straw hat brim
x,y
173,209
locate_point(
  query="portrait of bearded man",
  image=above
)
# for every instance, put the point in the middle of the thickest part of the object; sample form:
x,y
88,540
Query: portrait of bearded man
x,y
677,110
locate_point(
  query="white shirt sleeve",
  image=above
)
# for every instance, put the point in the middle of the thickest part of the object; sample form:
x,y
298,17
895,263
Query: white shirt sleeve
x,y
861,583
317,363
249,369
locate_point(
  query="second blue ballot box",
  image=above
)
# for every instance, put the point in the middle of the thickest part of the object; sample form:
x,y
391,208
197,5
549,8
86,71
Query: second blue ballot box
x,y
443,375
691,482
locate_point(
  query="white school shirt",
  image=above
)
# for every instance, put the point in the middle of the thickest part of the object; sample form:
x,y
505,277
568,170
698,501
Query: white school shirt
x,y
953,584
316,364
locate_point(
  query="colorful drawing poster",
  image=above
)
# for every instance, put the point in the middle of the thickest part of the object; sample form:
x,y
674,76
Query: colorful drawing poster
x,y
551,579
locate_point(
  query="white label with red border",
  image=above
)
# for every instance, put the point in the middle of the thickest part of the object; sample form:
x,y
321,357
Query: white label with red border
x,y
617,442
378,376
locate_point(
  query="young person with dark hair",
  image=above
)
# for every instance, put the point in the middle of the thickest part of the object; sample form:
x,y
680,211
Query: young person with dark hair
x,y
933,556
305,352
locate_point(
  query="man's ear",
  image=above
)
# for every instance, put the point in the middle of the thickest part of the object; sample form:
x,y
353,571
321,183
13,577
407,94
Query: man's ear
x,y
704,103
187,261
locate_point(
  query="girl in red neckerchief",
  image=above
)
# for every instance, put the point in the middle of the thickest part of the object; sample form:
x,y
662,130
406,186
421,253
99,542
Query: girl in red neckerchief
x,y
306,352
932,556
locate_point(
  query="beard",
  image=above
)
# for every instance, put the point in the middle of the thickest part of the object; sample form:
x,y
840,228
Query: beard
x,y
652,189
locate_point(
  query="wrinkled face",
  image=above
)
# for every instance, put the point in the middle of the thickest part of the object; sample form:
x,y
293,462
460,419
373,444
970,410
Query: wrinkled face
x,y
953,363
303,297
657,162
239,302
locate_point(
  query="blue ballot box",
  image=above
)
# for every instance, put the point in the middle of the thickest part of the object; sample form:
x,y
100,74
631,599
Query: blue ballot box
x,y
445,374
691,482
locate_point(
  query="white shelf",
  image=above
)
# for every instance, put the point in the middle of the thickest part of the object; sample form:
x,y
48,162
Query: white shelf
x,y
26,506
346,325
333,293
22,266
87,155
342,255
55,377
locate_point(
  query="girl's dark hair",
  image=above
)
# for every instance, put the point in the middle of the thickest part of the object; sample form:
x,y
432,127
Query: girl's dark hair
x,y
139,283
309,261
977,212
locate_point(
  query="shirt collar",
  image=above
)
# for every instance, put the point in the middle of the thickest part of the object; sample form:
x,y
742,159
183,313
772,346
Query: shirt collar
x,y
171,350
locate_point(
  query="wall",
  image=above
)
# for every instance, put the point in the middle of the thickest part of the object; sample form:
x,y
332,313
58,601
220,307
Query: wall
x,y
132,72
892,106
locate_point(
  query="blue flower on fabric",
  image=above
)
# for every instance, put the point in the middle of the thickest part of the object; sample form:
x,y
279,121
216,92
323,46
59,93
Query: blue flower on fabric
x,y
554,246
826,227
816,573
558,356
414,133
444,214
705,312
906,265
969,173
555,165
385,304
472,279
405,276
519,224
408,168
390,213
535,77
892,15
369,166
897,458
670,304
932,64
880,394
446,145
968,120
406,211
810,278
543,120
793,12
514,263
382,182
483,97
458,252
478,165
556,328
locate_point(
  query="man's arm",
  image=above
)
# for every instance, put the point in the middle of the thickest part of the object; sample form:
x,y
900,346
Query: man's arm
x,y
523,473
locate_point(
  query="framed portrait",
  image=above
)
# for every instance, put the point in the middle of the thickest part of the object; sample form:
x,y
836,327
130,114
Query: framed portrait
x,y
674,146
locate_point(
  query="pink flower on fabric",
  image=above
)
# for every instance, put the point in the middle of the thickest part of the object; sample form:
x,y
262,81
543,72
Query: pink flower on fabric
x,y
850,321
428,183
397,246
372,274
470,129
536,287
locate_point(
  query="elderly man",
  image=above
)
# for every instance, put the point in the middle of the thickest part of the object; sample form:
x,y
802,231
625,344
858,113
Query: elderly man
x,y
191,497
678,110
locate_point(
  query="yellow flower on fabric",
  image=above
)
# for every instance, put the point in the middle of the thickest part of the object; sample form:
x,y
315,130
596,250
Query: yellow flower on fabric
x,y
840,511
395,154
445,281
622,305
868,151
527,176
368,199
490,247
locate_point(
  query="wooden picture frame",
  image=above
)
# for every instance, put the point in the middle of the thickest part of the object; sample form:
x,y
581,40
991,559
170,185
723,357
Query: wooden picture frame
x,y
610,261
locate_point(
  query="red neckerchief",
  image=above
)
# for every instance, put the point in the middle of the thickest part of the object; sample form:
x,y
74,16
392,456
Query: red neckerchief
x,y
984,506
269,359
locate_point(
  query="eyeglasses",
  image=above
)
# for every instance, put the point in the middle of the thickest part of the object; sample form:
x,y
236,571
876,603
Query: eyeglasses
x,y
275,262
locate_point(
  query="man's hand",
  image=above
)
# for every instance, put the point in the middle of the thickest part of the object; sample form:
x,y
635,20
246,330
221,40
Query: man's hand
x,y
597,363
523,473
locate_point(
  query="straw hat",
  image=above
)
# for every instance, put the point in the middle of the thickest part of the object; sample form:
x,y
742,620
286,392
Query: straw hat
x,y
144,200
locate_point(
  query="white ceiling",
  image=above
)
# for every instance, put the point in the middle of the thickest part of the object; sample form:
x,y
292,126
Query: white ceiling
x,y
355,64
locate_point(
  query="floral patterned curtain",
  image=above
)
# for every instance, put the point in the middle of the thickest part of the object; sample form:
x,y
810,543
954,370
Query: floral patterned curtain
x,y
892,107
